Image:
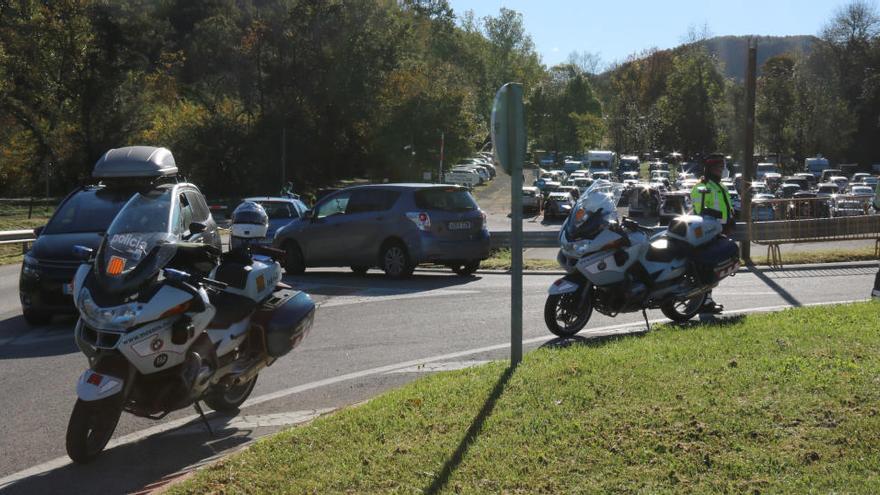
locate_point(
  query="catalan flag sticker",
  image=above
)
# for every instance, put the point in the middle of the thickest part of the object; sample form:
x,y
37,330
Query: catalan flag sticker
x,y
115,266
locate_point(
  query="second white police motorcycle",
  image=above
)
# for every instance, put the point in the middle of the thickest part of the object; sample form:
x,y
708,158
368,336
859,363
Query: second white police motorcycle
x,y
616,266
166,324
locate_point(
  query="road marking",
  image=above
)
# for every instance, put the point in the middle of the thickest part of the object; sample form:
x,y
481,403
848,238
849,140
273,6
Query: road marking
x,y
171,425
435,367
365,296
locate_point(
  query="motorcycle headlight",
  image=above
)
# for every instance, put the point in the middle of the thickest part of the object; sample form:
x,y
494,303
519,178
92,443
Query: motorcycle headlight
x,y
117,318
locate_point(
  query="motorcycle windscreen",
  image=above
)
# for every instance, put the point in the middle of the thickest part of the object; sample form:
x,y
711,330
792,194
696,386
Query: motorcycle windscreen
x,y
138,243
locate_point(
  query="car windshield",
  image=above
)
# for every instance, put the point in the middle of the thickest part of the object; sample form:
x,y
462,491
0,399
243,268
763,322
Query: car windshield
x,y
138,243
278,209
90,210
144,212
445,199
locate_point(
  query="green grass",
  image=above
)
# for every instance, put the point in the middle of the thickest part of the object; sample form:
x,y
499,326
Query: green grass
x,y
500,260
778,403
15,217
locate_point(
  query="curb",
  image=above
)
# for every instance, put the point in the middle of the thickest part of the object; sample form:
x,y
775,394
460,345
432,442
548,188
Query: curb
x,y
742,269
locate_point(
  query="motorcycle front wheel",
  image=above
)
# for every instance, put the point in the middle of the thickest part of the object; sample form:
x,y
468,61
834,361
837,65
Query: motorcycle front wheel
x,y
228,399
90,427
567,314
682,311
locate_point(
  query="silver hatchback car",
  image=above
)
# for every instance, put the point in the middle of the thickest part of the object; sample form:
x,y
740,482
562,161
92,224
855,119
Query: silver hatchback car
x,y
391,226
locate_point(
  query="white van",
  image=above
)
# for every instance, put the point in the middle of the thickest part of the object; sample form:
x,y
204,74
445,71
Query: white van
x,y
601,160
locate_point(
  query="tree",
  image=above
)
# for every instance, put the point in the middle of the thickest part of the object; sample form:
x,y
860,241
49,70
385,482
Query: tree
x,y
775,103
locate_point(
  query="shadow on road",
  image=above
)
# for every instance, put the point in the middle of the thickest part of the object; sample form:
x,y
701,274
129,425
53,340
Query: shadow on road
x,y
20,340
131,467
790,299
470,436
375,283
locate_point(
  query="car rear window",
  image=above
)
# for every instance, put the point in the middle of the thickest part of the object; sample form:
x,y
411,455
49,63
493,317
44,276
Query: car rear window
x,y
445,199
90,210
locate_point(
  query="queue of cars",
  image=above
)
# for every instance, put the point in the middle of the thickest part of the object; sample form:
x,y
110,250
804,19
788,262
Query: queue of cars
x,y
666,192
394,227
472,172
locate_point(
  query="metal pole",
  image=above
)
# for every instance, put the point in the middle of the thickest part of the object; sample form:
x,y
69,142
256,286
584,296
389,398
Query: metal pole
x,y
749,152
283,157
47,179
442,145
516,234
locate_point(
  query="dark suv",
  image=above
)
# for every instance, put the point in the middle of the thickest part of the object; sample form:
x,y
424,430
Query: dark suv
x,y
392,226
86,213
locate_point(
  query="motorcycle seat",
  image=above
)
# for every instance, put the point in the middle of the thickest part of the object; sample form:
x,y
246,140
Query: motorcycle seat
x,y
664,250
231,308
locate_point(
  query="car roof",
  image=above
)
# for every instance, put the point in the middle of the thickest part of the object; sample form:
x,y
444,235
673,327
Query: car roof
x,y
278,199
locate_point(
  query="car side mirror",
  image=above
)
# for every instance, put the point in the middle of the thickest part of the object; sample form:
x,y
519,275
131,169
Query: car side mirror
x,y
197,228
309,215
38,230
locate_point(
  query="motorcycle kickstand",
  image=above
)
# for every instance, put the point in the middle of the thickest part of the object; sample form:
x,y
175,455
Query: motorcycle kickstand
x,y
204,419
645,314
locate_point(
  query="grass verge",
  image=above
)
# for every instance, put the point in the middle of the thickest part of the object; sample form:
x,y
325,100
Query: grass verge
x,y
780,403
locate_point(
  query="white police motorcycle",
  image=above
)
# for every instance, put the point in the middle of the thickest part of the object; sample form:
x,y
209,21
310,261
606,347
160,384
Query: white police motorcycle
x,y
164,325
616,266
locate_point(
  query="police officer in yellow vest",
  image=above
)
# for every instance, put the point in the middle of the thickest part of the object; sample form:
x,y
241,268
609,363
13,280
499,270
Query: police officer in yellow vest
x,y
710,197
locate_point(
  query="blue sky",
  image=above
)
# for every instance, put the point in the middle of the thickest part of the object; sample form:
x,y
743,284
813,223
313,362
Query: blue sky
x,y
618,28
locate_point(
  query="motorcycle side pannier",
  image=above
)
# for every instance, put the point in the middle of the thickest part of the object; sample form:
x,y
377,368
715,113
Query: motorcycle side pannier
x,y
285,319
715,257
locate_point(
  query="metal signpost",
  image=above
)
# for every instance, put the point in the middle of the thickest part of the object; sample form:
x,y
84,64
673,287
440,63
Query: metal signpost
x,y
509,142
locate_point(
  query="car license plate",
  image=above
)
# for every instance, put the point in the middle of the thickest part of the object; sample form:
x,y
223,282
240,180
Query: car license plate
x,y
459,225
67,289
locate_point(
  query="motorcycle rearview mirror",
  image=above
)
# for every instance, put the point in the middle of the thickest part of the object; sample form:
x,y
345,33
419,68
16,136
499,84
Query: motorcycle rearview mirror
x,y
82,253
176,275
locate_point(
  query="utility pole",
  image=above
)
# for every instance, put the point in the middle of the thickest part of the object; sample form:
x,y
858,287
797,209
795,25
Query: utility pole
x,y
283,157
749,152
442,145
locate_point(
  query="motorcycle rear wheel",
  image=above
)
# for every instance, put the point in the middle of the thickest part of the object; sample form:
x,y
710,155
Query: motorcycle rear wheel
x,y
682,311
228,399
90,427
567,314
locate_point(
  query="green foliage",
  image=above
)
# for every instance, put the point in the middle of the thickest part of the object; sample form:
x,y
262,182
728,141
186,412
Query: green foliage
x,y
349,83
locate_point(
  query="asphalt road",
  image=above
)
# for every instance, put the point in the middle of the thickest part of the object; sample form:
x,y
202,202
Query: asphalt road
x,y
370,334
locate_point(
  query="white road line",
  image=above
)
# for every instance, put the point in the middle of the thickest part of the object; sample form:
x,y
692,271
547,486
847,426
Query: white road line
x,y
362,298
171,425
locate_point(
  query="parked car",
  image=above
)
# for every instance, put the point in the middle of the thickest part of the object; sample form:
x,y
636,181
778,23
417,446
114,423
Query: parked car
x,y
558,204
531,198
859,177
762,211
281,211
644,200
848,207
391,226
601,175
827,189
462,177
138,174
841,181
674,204
787,190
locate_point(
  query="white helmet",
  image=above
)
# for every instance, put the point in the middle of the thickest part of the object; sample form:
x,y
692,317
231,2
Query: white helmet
x,y
249,221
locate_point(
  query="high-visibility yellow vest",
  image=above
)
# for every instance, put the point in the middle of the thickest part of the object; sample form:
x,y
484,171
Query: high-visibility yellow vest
x,y
710,194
